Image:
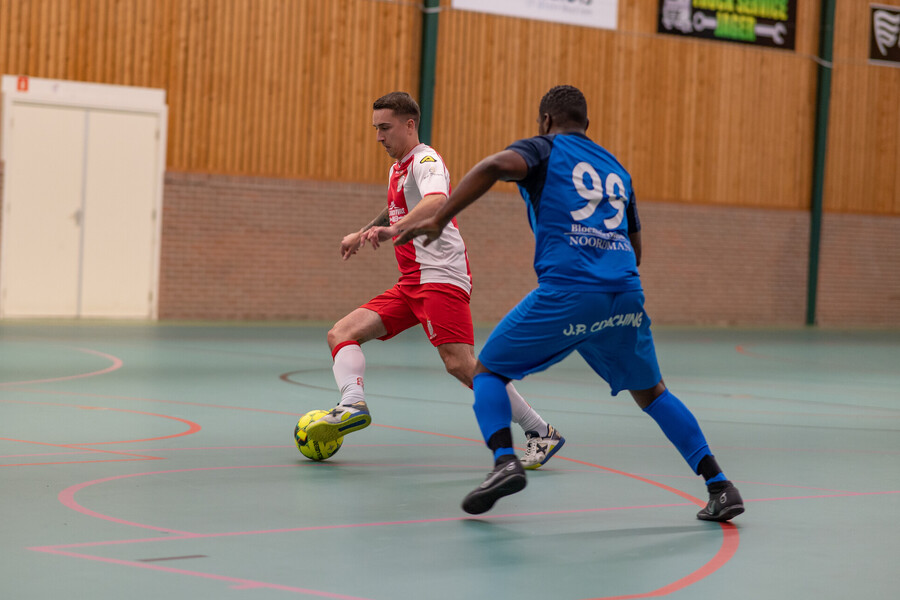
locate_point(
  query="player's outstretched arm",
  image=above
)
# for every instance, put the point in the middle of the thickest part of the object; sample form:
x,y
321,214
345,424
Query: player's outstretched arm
x,y
352,242
423,209
503,166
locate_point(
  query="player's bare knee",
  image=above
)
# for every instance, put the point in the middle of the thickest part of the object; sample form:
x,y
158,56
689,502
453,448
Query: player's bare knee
x,y
461,370
336,335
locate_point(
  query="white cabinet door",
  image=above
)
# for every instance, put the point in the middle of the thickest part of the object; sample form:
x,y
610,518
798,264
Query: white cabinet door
x,y
80,213
120,224
43,212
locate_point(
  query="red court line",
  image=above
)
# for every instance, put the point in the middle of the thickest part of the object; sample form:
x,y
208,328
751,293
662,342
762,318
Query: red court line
x,y
197,536
87,451
67,498
434,433
743,481
577,511
80,462
729,531
730,544
211,448
843,495
730,541
117,364
192,426
663,486
81,449
727,550
240,584
729,547
164,401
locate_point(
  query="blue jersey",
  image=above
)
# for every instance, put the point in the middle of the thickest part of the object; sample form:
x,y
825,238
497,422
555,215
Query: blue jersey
x,y
581,208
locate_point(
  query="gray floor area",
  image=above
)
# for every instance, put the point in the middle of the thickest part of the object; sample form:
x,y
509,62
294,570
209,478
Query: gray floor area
x,y
149,461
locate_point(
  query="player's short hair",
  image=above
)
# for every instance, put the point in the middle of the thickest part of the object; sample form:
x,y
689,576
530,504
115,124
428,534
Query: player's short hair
x,y
565,104
401,103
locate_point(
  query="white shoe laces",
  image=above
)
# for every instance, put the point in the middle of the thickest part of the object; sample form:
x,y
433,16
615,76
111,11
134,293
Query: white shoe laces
x,y
532,448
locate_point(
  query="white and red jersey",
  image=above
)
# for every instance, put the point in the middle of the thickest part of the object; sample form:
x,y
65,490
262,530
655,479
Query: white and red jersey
x,y
419,173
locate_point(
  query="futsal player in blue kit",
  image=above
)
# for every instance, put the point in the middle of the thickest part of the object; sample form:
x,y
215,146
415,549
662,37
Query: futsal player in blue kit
x,y
589,299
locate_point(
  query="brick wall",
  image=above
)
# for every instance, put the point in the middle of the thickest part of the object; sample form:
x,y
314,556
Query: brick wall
x,y
251,248
859,265
257,248
722,265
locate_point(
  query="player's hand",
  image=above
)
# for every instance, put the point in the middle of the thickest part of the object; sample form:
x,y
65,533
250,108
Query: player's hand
x,y
351,243
376,235
430,228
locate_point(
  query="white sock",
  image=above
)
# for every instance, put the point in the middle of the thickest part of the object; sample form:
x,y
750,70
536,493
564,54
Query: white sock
x,y
349,369
524,415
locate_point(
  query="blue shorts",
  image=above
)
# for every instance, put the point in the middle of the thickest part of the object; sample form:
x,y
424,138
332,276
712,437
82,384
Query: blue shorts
x,y
611,331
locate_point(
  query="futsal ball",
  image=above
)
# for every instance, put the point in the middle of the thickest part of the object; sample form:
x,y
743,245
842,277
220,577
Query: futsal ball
x,y
308,448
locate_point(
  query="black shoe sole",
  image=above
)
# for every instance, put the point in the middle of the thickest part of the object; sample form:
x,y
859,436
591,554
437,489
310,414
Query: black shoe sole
x,y
725,514
480,501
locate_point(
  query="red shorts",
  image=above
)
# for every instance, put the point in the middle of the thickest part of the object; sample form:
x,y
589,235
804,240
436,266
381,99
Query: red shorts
x,y
441,308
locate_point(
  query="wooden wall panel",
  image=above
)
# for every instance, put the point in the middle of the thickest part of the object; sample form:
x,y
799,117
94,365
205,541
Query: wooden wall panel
x,y
863,160
263,87
693,121
284,88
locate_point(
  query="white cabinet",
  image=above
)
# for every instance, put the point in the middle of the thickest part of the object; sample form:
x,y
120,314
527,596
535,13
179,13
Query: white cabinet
x,y
83,177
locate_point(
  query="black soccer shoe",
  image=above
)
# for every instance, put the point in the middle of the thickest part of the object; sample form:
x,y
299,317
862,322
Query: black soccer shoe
x,y
724,504
506,478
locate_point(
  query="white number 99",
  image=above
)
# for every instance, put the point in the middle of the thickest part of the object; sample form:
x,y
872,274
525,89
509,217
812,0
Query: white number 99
x,y
615,190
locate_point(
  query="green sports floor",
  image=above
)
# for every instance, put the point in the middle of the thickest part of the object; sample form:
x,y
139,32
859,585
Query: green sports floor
x,y
156,461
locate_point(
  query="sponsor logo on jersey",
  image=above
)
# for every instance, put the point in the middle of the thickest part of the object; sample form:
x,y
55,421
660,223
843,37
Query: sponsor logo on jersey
x,y
591,237
395,213
432,171
427,159
620,320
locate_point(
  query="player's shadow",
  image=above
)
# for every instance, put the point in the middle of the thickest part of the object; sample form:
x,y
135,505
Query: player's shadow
x,y
504,539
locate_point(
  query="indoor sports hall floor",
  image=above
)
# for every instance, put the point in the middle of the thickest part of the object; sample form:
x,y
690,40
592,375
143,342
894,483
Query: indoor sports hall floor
x,y
156,461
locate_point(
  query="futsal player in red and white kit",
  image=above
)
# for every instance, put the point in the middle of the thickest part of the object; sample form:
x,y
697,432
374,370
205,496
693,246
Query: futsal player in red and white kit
x,y
433,289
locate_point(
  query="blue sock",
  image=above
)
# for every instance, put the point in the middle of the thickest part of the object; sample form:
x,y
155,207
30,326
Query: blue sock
x,y
503,452
492,409
716,479
680,426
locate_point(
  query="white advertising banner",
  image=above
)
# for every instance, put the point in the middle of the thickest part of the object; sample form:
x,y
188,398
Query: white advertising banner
x,y
586,13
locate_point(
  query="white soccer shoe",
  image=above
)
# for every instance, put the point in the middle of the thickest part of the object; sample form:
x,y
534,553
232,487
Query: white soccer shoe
x,y
539,450
340,421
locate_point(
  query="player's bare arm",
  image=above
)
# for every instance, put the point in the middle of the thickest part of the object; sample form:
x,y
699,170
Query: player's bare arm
x,y
352,242
426,208
502,166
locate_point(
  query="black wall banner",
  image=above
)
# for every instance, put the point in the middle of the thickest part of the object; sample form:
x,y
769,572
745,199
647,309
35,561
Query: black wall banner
x,y
770,23
884,45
